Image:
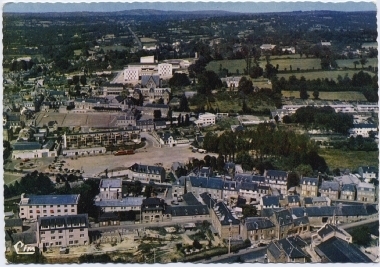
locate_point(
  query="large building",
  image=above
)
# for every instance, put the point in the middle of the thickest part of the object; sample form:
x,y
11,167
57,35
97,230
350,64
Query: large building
x,y
146,173
63,231
36,206
309,187
277,180
110,189
205,119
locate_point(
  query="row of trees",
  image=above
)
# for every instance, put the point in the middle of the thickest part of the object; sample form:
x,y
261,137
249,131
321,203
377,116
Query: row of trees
x,y
324,118
360,81
252,148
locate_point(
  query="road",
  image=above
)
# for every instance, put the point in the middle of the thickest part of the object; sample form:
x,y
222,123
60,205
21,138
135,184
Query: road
x,y
136,38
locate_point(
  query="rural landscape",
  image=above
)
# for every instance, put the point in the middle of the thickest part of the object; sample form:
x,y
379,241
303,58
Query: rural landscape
x,y
209,136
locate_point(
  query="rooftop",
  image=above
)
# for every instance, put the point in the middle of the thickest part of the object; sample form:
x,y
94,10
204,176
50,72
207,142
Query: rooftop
x,y
51,200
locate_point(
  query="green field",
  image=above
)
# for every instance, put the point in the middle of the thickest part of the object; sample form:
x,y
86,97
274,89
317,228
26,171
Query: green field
x,y
321,74
301,63
349,63
147,40
336,158
283,62
343,96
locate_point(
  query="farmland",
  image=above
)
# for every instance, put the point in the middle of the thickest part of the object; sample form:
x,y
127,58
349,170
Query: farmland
x,y
321,74
342,96
284,63
336,158
349,63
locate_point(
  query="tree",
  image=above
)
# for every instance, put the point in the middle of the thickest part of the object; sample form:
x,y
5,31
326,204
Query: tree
x,y
75,79
363,61
184,104
249,211
293,179
316,94
83,80
245,86
304,170
303,94
356,63
361,236
179,79
157,114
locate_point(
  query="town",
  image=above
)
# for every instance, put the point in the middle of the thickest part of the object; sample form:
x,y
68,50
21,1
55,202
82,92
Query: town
x,y
142,136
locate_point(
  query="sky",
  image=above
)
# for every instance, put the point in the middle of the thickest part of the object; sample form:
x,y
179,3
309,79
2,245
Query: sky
x,y
250,7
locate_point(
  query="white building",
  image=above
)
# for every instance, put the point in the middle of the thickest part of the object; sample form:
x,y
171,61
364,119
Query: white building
x,y
205,119
165,70
110,189
363,129
131,74
35,206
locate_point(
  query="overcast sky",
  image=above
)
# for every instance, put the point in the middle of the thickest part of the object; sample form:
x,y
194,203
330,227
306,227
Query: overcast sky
x,y
254,7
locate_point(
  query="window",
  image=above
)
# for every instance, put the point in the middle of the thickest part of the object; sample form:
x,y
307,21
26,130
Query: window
x,y
52,232
42,232
71,236
71,230
58,210
30,211
44,211
44,206
53,237
37,206
71,242
60,231
76,241
81,235
72,206
65,210
72,210
58,206
81,229
65,206
60,237
51,206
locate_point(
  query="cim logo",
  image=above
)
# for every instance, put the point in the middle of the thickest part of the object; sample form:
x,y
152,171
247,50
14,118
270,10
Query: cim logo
x,y
21,248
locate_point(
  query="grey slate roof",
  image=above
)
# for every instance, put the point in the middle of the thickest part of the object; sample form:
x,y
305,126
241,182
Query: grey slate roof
x,y
146,78
327,229
283,217
293,199
24,237
254,223
326,185
307,180
292,246
67,221
212,183
301,221
207,200
344,210
224,214
13,222
275,173
26,146
190,199
271,201
112,183
147,168
348,188
124,202
52,199
187,210
336,250
249,178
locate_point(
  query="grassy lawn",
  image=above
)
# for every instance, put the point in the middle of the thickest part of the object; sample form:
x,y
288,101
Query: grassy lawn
x,y
301,63
349,63
77,52
10,178
343,96
114,47
147,40
321,74
284,62
336,158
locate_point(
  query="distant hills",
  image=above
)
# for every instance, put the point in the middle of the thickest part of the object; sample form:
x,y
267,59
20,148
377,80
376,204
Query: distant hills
x,y
132,13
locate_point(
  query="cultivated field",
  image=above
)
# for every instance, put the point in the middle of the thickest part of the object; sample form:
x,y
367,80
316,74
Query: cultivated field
x,y
321,74
349,63
336,158
283,62
73,119
147,40
343,96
